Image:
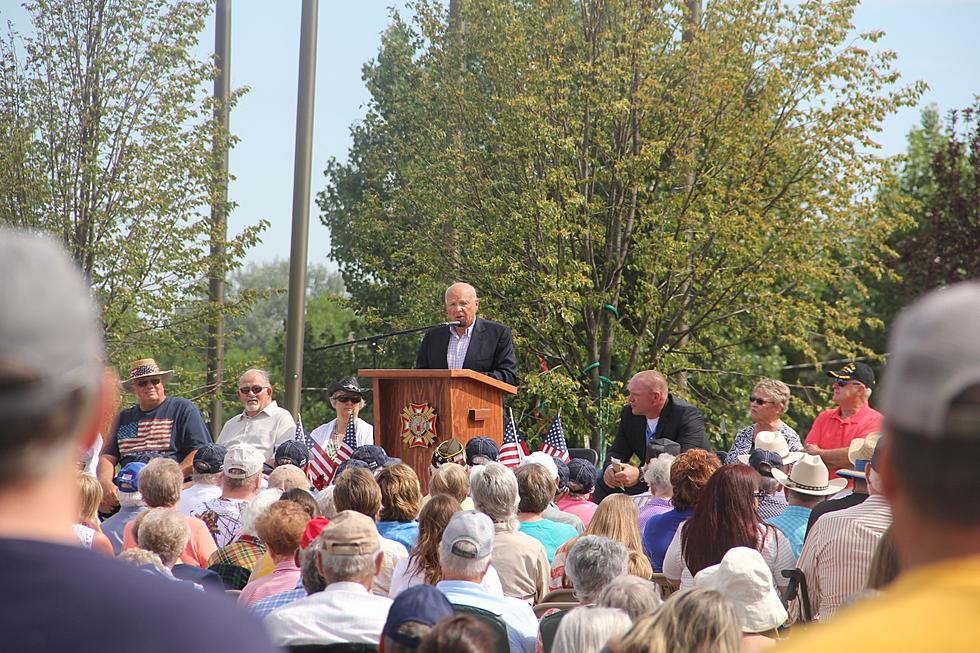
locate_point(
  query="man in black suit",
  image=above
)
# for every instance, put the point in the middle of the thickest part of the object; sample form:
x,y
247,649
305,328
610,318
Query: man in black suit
x,y
652,413
476,344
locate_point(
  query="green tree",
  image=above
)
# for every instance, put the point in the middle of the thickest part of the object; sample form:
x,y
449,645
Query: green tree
x,y
626,183
107,129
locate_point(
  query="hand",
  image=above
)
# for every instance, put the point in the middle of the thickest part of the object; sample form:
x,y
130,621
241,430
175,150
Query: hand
x,y
812,449
626,477
109,499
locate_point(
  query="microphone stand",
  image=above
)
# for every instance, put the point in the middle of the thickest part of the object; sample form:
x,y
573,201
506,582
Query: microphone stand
x,y
374,342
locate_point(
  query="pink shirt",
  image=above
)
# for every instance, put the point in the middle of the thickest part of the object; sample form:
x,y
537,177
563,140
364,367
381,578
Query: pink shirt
x,y
831,431
200,545
581,508
282,579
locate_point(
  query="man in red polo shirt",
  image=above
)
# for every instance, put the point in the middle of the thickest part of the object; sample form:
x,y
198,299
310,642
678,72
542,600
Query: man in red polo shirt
x,y
834,428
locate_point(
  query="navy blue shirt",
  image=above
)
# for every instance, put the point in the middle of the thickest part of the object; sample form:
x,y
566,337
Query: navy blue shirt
x,y
658,533
175,428
66,598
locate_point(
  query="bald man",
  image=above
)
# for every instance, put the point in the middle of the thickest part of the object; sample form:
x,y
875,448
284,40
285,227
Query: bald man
x,y
652,413
476,344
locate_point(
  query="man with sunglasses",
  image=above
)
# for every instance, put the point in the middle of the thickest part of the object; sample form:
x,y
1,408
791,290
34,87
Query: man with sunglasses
x,y
834,428
157,425
263,424
347,398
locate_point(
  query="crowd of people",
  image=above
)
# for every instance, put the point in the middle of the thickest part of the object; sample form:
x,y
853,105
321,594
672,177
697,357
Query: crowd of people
x,y
133,528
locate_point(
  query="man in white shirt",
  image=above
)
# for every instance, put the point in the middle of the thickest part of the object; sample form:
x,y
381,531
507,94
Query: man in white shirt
x,y
263,424
208,463
464,556
346,611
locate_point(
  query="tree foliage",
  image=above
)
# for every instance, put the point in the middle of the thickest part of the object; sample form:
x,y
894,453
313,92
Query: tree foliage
x,y
625,182
106,133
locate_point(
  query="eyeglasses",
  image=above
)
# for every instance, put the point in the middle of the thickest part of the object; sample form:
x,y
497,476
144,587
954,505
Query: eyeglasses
x,y
253,389
347,400
759,401
155,380
840,383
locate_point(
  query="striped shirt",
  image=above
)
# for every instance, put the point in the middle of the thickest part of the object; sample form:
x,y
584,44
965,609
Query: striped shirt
x,y
837,554
458,345
270,603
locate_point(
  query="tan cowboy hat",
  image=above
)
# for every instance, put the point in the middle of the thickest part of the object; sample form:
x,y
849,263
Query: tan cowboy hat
x,y
772,441
810,476
142,368
859,452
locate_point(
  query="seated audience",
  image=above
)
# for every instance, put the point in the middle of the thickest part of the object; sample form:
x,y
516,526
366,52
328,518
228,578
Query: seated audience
x,y
206,477
346,610
689,473
311,581
633,595
234,562
859,452
807,485
520,560
130,504
288,477
164,532
401,499
280,528
459,634
464,555
160,484
744,579
581,481
357,490
241,481
724,518
587,629
558,470
87,528
656,473
615,519
411,616
694,620
536,490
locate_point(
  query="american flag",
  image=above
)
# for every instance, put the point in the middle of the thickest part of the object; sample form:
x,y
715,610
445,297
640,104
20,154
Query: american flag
x,y
511,450
316,471
146,435
344,451
554,440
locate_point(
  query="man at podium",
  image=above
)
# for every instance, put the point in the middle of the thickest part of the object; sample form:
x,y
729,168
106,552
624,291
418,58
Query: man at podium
x,y
474,344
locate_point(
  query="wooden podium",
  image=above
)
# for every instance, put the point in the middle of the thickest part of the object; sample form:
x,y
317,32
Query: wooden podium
x,y
467,404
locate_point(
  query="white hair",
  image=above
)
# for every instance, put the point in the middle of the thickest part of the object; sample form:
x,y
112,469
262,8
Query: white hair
x,y
337,568
657,474
256,508
254,370
586,629
634,595
494,490
325,501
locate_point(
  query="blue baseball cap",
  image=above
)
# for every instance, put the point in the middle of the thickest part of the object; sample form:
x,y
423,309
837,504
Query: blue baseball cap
x,y
562,472
481,446
422,604
375,457
210,459
293,452
581,476
127,480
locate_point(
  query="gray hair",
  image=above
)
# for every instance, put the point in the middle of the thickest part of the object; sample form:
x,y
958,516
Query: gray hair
x,y
593,562
312,580
634,595
256,508
777,391
459,567
130,499
238,483
325,501
494,490
164,532
355,568
586,629
255,370
657,474
139,557
207,479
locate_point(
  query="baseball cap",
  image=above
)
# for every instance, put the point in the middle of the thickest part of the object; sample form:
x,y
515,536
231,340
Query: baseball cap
x,y
242,461
292,452
422,604
858,371
127,480
375,457
49,326
481,446
543,459
935,356
210,458
562,467
581,475
313,529
469,534
764,461
350,463
349,533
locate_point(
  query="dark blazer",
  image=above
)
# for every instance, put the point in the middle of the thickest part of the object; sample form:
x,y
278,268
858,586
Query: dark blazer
x,y
491,350
679,421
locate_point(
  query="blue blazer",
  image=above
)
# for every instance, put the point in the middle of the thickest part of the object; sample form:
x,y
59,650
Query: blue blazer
x,y
491,350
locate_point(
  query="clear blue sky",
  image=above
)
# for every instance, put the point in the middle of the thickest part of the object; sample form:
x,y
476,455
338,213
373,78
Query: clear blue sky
x,y
936,41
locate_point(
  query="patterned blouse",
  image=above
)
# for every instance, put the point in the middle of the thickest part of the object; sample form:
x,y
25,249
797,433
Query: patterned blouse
x,y
745,440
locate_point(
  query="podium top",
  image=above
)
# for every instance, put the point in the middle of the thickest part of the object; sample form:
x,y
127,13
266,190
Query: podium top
x,y
439,374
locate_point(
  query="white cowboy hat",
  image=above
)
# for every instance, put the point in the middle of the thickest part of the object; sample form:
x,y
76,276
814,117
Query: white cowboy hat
x,y
859,452
142,368
743,578
772,441
810,476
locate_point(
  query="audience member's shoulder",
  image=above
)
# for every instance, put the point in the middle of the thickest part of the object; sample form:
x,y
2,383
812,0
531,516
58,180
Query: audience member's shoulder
x,y
148,613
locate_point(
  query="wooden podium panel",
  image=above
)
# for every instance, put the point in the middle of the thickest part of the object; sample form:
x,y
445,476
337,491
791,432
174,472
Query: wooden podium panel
x,y
467,404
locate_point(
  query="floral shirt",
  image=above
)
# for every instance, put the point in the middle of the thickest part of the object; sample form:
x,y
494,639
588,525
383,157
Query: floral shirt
x,y
745,441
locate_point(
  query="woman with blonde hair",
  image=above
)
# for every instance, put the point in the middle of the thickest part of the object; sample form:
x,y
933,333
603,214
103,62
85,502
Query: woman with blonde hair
x,y
87,529
616,518
401,498
768,402
693,620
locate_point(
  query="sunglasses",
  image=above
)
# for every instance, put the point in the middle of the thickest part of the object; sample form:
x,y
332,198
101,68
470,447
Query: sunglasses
x,y
840,383
151,381
759,401
347,400
252,389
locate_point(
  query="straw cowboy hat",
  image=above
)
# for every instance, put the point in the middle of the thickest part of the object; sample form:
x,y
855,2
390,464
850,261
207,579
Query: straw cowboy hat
x,y
810,476
859,452
772,441
142,368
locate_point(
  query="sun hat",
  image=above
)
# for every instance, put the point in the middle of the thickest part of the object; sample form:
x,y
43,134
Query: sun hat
x,y
143,368
859,452
744,578
772,441
810,476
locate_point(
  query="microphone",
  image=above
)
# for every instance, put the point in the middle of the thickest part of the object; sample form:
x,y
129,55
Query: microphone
x,y
454,323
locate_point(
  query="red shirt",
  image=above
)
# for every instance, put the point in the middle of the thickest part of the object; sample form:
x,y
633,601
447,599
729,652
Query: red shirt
x,y
831,431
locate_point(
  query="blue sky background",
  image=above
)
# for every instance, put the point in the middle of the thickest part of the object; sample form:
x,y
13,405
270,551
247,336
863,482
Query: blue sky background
x,y
935,40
